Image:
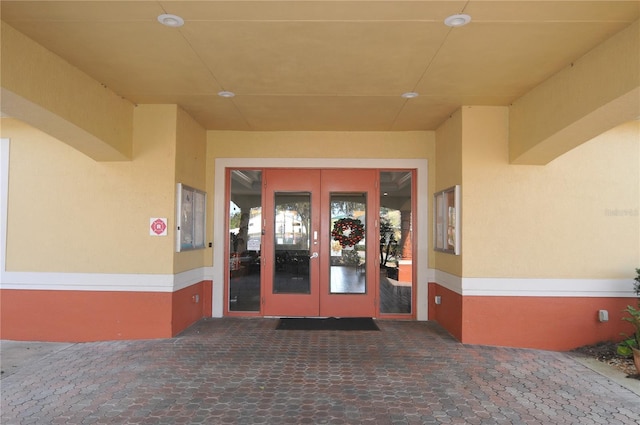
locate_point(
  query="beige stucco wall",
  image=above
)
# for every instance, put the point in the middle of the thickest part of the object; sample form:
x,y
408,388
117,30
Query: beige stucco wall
x,y
47,92
69,213
191,147
448,174
321,144
576,217
595,93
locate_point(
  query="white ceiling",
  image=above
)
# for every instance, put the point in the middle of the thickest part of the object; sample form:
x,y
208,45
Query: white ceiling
x,y
321,65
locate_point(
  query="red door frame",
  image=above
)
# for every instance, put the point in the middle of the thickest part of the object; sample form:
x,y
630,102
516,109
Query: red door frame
x,y
350,305
288,180
373,277
320,302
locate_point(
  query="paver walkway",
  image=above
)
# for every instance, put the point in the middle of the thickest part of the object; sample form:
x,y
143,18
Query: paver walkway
x,y
243,371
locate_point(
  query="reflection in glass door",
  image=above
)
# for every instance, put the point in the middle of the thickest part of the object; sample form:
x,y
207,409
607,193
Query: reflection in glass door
x,y
245,233
348,243
396,242
291,243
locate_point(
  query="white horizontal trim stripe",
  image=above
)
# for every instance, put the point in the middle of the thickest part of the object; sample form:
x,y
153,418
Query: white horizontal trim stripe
x,y
448,281
188,278
88,281
101,281
604,288
505,287
519,287
208,273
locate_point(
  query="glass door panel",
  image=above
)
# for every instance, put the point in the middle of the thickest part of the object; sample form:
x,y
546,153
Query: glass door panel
x,y
292,241
396,243
245,218
348,243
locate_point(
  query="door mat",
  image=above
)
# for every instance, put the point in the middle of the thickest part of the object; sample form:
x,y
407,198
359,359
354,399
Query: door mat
x,y
328,324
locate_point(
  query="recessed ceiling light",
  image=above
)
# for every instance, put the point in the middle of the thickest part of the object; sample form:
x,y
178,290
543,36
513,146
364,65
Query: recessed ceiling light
x,y
171,20
409,95
457,20
226,94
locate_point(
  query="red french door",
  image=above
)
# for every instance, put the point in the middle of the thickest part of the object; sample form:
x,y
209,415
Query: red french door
x,y
319,243
291,232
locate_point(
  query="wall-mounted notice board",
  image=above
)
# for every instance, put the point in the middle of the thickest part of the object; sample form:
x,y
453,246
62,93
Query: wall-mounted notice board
x,y
191,218
446,229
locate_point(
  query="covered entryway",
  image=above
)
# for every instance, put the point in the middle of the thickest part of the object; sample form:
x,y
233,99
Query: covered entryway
x,y
319,242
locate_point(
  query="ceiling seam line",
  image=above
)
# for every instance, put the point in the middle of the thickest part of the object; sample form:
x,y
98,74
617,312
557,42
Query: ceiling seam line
x,y
422,76
217,81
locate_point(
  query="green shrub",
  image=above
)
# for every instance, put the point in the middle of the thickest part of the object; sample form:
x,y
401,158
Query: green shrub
x,y
632,341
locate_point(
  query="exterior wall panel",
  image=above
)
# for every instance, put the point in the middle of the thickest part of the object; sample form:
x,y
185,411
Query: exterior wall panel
x,y
190,305
449,312
81,316
549,323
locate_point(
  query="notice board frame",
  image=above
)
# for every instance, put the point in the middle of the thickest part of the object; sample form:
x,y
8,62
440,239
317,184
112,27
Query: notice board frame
x,y
446,220
191,218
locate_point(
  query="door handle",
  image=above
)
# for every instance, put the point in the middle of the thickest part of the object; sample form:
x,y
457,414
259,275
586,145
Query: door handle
x,y
314,255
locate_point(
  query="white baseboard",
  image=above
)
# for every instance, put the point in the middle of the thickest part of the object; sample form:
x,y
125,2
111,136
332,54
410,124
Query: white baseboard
x,y
102,281
520,287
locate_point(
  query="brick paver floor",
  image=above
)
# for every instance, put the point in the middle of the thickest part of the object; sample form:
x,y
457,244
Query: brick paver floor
x,y
243,371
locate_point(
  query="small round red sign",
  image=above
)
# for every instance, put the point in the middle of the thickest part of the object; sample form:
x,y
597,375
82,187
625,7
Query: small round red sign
x,y
158,226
